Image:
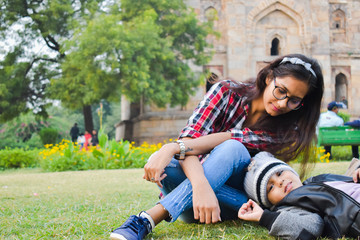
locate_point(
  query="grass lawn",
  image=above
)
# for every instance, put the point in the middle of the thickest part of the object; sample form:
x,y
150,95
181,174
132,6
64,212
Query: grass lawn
x,y
88,204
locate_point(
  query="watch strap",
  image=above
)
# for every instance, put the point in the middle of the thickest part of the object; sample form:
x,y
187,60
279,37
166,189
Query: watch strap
x,y
181,155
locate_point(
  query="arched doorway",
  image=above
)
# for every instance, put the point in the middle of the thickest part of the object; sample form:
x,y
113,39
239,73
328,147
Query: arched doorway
x,y
340,87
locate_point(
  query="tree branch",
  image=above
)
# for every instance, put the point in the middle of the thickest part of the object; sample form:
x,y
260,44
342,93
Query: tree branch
x,y
39,59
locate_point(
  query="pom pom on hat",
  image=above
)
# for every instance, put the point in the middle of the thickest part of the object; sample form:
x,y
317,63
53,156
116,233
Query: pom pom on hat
x,y
263,165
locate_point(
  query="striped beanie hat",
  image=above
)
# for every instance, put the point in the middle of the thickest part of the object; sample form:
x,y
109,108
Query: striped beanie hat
x,y
263,165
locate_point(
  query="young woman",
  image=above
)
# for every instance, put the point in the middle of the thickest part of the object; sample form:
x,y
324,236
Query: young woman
x,y
277,113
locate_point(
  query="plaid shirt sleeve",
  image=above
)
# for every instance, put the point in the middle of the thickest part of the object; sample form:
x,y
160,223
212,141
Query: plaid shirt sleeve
x,y
210,109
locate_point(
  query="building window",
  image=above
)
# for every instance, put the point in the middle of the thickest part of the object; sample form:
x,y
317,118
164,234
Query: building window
x,y
274,51
338,19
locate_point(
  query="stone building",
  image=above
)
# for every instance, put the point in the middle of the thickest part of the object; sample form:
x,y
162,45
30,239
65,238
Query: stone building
x,y
257,31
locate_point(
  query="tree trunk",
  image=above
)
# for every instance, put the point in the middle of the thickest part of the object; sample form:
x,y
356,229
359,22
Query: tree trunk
x,y
88,120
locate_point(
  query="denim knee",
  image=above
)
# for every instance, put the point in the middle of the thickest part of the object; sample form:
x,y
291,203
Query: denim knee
x,y
233,150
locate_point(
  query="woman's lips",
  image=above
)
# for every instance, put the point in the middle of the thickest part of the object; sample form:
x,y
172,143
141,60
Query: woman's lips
x,y
275,108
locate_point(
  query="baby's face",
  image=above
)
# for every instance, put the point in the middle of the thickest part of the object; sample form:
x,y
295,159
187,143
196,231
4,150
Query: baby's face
x,y
280,184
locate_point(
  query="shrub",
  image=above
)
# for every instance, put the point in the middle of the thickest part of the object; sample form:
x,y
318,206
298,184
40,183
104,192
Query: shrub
x,y
110,154
49,136
18,158
344,116
341,153
22,132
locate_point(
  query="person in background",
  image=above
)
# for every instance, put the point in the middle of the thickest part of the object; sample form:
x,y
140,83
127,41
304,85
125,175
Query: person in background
x,y
94,138
81,141
354,148
345,102
74,133
87,136
330,119
327,205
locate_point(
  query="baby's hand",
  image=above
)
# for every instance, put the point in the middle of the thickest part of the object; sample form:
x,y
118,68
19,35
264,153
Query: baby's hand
x,y
356,175
250,211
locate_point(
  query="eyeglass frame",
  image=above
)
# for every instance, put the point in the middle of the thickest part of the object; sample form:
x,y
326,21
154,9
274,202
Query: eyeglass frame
x,y
286,96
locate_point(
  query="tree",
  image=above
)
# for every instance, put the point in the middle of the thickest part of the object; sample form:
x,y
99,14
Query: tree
x,y
141,49
33,33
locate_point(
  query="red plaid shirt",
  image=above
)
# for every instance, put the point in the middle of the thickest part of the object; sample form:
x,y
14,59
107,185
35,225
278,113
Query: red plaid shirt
x,y
223,110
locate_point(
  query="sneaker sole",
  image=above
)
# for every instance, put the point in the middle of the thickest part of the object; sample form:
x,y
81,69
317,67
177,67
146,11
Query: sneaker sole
x,y
115,236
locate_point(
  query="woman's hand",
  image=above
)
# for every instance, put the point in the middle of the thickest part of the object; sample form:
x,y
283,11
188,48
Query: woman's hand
x,y
155,167
250,211
356,175
205,204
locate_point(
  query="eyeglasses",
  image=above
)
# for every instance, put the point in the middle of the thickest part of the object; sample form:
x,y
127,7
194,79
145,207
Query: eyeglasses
x,y
280,93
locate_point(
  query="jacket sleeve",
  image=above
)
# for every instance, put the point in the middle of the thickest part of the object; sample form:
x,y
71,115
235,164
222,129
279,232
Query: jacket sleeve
x,y
292,223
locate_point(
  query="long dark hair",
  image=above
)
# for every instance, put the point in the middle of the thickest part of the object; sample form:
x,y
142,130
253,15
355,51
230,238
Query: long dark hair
x,y
296,128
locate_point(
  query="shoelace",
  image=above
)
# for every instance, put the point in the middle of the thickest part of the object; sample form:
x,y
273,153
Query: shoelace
x,y
135,224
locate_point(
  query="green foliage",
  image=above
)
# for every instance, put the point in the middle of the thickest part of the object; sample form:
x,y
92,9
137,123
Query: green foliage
x,y
12,100
21,132
18,158
139,50
25,72
49,136
344,116
110,154
341,153
97,49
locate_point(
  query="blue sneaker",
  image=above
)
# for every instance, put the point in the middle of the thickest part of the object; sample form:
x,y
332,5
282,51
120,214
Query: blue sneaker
x,y
135,228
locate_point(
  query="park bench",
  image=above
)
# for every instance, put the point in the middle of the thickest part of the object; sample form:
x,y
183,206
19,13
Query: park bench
x,y
343,135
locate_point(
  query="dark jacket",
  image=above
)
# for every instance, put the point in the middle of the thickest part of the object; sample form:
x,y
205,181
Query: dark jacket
x,y
355,123
341,213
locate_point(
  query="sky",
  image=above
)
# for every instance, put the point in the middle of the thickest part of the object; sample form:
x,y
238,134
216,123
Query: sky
x,y
12,39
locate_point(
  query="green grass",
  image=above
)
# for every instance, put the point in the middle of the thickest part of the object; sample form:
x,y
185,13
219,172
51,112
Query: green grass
x,y
88,204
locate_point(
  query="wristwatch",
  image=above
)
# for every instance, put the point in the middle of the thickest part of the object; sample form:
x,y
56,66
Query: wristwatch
x,y
181,155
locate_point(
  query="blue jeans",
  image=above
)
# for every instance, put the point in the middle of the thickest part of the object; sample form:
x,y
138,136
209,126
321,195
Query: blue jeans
x,y
225,171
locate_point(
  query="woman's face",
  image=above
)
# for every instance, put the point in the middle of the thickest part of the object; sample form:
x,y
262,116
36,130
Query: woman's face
x,y
289,88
